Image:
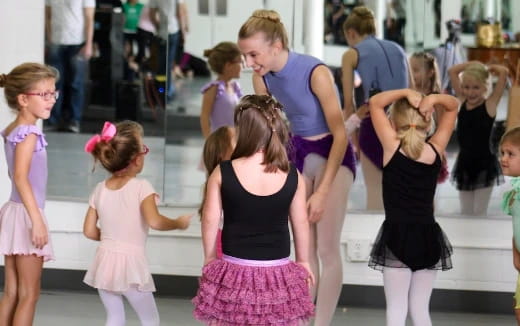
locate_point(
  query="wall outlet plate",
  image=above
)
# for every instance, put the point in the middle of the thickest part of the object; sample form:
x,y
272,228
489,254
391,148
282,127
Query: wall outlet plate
x,y
358,249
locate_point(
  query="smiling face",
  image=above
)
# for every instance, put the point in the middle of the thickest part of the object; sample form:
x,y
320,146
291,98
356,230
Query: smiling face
x,y
36,106
510,159
473,90
259,53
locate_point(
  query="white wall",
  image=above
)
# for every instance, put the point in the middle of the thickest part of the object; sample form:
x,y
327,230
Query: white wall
x,y
22,40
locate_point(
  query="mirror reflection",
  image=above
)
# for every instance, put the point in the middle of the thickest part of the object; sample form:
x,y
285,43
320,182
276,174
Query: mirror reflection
x,y
116,72
126,79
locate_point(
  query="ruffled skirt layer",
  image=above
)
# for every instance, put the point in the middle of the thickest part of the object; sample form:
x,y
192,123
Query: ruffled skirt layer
x,y
16,232
234,294
119,266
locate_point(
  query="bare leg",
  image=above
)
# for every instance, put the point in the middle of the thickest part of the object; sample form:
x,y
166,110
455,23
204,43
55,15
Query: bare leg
x,y
10,295
482,196
328,232
29,270
373,182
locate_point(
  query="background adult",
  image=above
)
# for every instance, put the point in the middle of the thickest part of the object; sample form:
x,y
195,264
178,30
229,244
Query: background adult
x,y
69,30
382,65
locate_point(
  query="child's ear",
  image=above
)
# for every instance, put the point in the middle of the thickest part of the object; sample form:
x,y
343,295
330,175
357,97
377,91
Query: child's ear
x,y
23,100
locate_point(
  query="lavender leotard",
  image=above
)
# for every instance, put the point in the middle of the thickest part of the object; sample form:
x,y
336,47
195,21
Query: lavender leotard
x,y
292,87
383,65
224,105
38,168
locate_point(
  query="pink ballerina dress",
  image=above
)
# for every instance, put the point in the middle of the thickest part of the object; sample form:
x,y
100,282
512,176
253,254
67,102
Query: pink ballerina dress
x,y
120,262
15,222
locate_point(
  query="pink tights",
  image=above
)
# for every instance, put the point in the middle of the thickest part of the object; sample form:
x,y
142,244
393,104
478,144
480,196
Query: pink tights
x,y
407,291
325,237
142,302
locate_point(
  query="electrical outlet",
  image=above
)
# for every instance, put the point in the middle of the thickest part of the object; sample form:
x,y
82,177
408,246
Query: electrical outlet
x,y
358,249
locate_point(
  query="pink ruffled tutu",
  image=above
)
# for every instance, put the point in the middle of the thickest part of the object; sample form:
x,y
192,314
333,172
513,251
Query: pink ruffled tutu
x,y
234,291
119,266
15,232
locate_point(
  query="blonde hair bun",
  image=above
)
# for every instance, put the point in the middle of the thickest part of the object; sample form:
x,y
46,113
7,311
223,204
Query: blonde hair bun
x,y
267,14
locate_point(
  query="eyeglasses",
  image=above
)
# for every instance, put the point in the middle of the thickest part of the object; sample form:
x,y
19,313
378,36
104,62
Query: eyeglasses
x,y
46,95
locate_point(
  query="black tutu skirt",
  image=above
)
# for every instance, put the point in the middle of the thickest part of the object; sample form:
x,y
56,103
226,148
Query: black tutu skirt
x,y
471,172
411,245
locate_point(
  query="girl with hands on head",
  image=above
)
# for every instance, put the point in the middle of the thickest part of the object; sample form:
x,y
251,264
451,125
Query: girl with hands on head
x,y
410,245
29,90
320,149
476,170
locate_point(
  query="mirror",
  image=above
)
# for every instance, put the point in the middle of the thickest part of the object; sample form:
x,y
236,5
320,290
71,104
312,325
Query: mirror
x,y
173,131
122,81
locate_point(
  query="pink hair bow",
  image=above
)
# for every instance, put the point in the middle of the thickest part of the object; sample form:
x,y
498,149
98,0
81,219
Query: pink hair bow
x,y
108,132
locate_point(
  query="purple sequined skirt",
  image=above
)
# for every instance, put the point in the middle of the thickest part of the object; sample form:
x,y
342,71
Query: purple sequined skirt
x,y
301,147
234,291
369,143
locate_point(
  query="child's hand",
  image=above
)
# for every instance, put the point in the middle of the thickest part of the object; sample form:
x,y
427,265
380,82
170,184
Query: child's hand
x,y
39,235
310,277
426,107
414,98
184,221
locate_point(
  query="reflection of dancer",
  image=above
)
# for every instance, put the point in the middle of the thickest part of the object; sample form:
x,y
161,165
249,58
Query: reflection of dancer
x,y
24,235
124,207
382,66
510,162
257,191
221,96
305,87
218,147
410,246
476,169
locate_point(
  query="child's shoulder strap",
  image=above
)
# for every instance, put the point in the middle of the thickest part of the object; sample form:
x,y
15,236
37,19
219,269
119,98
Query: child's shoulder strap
x,y
20,132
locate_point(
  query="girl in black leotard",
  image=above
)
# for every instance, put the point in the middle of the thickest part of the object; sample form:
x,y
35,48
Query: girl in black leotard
x,y
410,246
476,169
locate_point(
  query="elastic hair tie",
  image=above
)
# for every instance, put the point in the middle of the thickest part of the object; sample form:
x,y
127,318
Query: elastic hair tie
x,y
412,125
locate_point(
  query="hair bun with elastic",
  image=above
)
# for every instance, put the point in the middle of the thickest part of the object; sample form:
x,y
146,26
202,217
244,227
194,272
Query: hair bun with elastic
x,y
267,14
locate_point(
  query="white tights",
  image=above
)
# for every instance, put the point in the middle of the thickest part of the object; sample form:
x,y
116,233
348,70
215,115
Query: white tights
x,y
475,202
142,302
325,237
408,291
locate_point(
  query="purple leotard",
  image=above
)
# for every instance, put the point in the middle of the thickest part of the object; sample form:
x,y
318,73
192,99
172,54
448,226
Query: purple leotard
x,y
224,105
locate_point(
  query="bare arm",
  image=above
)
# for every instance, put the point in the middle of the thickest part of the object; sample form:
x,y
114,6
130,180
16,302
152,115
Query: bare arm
x,y
90,228
211,213
449,106
183,17
154,18
208,99
493,99
160,222
22,164
454,73
89,32
322,84
300,227
348,64
384,130
259,85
